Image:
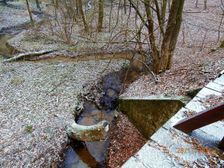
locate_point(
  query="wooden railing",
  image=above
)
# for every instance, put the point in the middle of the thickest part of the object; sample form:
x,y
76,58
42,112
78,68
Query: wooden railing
x,y
202,119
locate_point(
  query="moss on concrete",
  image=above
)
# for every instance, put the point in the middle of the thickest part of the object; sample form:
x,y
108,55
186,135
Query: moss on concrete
x,y
150,113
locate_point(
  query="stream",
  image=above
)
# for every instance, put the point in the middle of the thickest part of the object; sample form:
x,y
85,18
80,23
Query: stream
x,y
94,154
85,154
89,154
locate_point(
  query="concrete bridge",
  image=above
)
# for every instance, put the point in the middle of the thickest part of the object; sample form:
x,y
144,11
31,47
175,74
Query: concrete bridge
x,y
169,147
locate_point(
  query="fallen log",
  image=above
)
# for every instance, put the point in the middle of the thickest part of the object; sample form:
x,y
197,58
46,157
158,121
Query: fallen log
x,y
91,133
27,55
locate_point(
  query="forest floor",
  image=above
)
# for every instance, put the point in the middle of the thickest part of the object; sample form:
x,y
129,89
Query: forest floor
x,y
37,102
197,60
198,56
25,103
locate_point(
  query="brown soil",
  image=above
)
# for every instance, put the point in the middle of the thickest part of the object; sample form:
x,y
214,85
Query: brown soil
x,y
125,141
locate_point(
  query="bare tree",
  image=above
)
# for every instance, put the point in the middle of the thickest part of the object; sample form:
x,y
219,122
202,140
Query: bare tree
x,y
29,11
162,52
81,12
100,15
154,25
38,5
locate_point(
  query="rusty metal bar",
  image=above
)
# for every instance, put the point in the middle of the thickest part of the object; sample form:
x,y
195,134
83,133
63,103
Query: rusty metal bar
x,y
201,119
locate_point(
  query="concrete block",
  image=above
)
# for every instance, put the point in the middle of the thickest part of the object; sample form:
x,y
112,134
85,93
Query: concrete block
x,y
134,163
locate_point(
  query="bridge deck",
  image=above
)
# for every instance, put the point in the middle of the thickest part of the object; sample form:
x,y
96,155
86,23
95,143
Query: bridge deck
x,y
169,147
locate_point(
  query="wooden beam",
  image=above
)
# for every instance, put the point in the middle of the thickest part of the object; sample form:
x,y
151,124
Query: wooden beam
x,y
201,119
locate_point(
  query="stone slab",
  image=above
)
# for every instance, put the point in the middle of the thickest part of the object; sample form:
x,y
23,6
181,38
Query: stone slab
x,y
195,105
220,80
134,163
206,92
215,86
178,145
153,157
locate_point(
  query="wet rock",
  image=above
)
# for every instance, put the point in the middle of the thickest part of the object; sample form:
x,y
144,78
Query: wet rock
x,y
95,132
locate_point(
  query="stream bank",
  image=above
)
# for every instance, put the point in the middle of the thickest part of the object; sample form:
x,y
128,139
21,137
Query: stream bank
x,y
37,101
46,98
99,103
14,19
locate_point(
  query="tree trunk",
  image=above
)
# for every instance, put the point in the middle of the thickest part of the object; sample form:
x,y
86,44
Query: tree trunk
x,y
163,11
28,55
175,34
205,4
81,12
150,27
38,5
171,34
29,11
196,3
125,6
100,15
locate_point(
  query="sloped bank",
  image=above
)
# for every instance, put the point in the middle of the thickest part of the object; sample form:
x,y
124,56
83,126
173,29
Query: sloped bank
x,y
147,114
99,103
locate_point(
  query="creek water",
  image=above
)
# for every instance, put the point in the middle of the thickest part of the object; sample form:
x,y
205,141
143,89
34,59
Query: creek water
x,y
94,154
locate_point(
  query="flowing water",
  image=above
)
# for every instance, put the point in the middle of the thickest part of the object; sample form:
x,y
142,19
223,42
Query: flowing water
x,y
94,154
